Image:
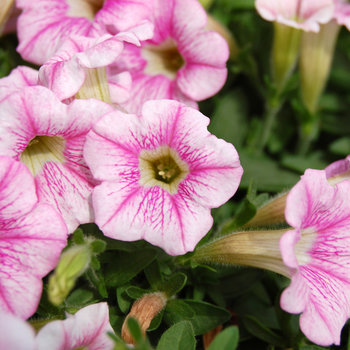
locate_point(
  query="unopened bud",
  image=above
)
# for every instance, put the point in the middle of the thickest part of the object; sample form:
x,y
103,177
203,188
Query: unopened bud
x,y
73,263
5,10
144,310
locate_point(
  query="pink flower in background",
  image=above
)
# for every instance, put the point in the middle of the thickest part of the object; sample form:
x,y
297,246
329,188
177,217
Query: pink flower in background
x,y
183,61
16,334
32,236
303,14
45,24
342,13
19,78
338,171
161,173
87,329
48,137
66,72
318,253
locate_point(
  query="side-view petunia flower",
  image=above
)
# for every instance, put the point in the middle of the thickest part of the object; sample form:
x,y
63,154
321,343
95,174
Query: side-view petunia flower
x,y
318,252
45,25
302,14
161,172
32,236
183,61
48,137
87,329
83,60
314,253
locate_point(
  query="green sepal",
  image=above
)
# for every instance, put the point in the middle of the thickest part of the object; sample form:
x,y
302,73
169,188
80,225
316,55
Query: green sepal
x,y
175,283
98,246
136,293
78,236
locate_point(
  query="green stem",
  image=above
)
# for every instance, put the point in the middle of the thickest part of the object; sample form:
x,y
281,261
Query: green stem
x,y
271,111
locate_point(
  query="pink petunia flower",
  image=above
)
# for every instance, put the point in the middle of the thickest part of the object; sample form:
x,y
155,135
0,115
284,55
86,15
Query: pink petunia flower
x,y
342,13
48,137
161,173
82,59
303,14
183,61
32,236
317,252
45,24
86,329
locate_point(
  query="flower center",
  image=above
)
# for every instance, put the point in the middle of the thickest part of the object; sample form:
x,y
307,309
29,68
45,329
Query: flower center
x,y
163,59
162,167
84,8
43,149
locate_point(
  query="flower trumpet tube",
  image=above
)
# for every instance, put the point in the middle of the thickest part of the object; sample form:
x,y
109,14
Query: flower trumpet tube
x,y
314,253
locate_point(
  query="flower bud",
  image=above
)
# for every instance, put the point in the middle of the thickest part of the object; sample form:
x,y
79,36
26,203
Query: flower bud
x,y
73,263
285,53
316,56
144,310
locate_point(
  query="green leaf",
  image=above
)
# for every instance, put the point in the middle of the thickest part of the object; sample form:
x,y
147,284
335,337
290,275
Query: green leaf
x,y
78,236
229,120
154,275
206,317
95,264
178,337
341,146
312,347
98,246
155,323
226,340
179,308
81,297
96,278
123,298
135,329
175,283
300,163
266,172
128,265
136,292
262,332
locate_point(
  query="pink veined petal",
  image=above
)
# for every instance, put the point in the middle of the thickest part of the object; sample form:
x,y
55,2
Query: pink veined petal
x,y
287,243
175,223
309,198
338,168
124,14
327,309
19,78
109,160
188,16
295,297
87,328
68,192
15,199
119,87
29,248
42,31
10,328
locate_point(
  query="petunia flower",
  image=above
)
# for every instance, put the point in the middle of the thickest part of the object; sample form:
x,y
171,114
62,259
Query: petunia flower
x,y
302,14
314,253
161,172
32,236
87,329
79,66
48,137
183,61
44,25
317,250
